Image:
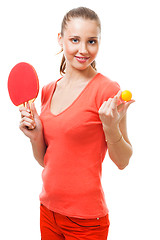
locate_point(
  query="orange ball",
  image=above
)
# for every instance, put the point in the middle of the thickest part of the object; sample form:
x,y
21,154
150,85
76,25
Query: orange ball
x,y
126,95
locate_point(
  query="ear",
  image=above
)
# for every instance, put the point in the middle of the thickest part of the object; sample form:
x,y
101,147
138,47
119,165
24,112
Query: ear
x,y
60,40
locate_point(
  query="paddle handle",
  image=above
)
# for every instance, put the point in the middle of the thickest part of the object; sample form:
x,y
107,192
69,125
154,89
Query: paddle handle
x,y
28,105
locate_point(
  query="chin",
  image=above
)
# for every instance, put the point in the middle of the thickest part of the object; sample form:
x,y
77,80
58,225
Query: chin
x,y
82,67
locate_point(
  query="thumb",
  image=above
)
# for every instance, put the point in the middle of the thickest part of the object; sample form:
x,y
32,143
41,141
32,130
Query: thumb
x,y
129,103
33,110
124,106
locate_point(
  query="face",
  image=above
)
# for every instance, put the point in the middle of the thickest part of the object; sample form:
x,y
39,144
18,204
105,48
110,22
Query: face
x,y
80,43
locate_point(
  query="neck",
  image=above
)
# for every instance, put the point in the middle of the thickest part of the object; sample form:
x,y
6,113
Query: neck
x,y
73,76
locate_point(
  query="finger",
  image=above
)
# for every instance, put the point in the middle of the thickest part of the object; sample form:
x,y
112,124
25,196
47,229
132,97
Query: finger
x,y
106,107
117,97
26,114
21,108
127,104
120,106
123,109
114,104
26,124
119,94
27,120
33,110
103,106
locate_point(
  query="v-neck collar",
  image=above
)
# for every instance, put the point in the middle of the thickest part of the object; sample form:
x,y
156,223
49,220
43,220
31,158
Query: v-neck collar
x,y
75,100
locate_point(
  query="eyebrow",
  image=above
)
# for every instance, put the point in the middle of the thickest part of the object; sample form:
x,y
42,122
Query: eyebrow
x,y
93,37
79,37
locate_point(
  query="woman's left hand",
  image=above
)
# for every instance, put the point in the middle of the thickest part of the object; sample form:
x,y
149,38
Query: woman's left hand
x,y
110,113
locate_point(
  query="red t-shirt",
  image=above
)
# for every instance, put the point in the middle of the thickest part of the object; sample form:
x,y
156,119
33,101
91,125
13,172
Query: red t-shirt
x,y
76,148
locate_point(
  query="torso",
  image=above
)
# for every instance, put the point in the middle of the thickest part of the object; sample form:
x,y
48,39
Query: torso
x,y
63,97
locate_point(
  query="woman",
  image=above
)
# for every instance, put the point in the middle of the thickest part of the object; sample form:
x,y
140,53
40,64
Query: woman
x,y
81,117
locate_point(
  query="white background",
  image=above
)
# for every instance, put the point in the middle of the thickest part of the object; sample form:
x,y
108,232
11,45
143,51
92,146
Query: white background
x,y
130,55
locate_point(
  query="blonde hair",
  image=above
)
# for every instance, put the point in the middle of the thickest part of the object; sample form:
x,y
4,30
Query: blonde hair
x,y
80,12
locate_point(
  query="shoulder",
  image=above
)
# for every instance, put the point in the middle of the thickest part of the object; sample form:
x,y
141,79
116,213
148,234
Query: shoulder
x,y
107,88
46,91
48,87
105,82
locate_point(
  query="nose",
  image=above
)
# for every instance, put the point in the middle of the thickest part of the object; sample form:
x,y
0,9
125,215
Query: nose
x,y
83,48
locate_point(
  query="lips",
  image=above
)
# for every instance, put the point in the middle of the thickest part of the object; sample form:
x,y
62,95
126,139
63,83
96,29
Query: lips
x,y
81,59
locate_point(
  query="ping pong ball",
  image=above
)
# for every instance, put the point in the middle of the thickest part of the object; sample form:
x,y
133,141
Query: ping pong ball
x,y
126,95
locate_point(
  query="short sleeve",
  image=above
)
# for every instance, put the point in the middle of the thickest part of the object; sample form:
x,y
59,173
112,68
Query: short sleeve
x,y
107,89
43,97
45,94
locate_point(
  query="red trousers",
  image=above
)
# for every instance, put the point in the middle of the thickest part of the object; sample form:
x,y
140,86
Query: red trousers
x,y
55,226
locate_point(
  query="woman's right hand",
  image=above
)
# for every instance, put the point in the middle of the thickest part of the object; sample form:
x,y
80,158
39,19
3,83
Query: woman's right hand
x,y
30,123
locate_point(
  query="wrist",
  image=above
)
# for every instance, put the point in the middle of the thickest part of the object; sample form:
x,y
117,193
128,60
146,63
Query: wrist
x,y
112,135
36,137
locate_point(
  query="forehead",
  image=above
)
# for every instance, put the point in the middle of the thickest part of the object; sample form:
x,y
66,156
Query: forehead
x,y
80,26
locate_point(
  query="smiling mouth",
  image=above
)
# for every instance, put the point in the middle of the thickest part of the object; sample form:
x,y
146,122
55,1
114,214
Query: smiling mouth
x,y
81,59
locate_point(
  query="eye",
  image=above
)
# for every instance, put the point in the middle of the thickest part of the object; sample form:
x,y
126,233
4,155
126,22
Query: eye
x,y
92,42
74,40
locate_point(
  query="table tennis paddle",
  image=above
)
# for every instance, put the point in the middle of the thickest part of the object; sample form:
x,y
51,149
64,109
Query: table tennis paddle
x,y
23,84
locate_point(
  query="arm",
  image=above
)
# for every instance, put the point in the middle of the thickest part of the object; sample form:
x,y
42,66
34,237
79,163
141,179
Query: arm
x,y
39,149
115,129
119,147
31,126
